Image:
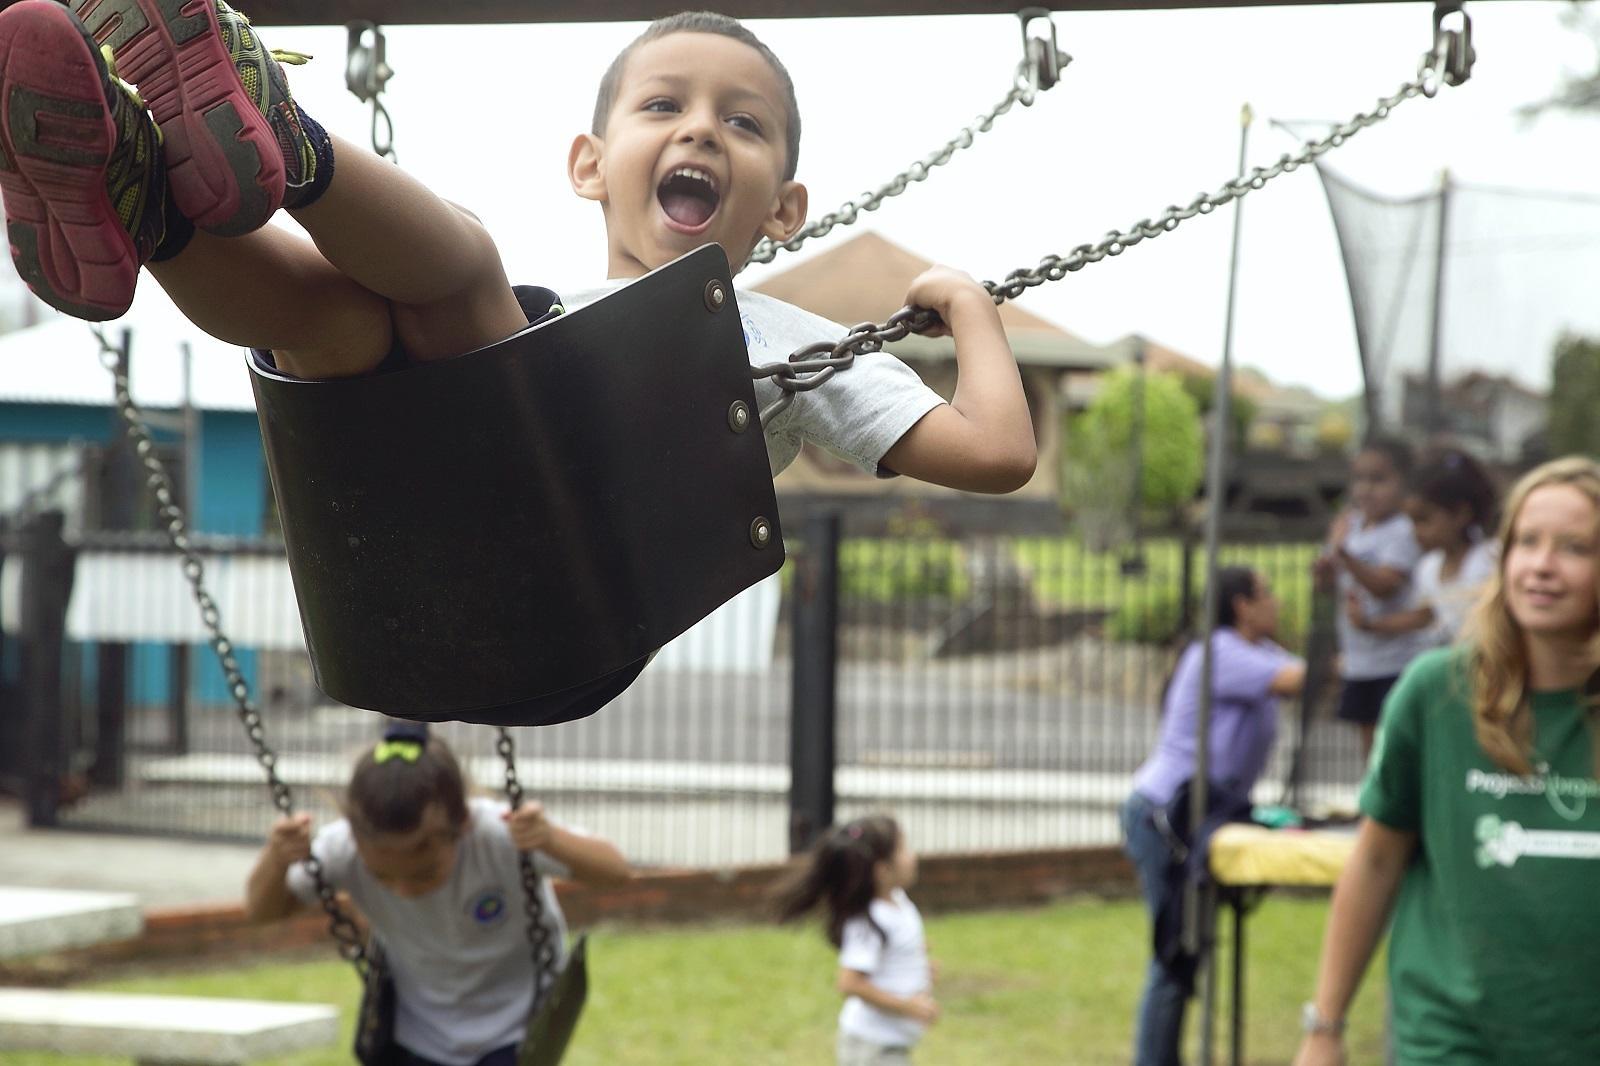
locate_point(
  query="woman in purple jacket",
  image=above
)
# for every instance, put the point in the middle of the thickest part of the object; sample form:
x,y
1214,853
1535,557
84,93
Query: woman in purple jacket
x,y
1249,673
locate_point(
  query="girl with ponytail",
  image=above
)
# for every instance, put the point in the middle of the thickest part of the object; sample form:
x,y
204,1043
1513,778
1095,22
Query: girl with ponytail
x,y
858,873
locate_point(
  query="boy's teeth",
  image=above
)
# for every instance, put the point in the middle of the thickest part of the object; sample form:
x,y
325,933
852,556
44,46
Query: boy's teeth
x,y
689,196
691,173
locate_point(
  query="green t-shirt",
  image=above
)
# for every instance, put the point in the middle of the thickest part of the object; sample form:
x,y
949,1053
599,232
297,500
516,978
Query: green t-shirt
x,y
1494,951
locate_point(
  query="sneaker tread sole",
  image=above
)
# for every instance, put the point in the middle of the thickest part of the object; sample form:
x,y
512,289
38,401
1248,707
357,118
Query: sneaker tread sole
x,y
222,158
56,139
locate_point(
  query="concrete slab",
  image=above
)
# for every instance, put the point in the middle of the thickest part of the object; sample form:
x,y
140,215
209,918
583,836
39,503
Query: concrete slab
x,y
161,1028
34,921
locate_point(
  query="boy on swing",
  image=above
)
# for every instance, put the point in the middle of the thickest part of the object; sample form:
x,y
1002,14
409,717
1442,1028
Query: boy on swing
x,y
158,135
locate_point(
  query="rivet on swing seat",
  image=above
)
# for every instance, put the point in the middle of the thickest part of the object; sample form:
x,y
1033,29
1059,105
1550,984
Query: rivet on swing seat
x,y
508,536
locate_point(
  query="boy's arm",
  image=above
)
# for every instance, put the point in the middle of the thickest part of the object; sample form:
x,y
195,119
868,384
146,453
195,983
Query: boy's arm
x,y
1394,624
590,859
266,896
982,441
1381,581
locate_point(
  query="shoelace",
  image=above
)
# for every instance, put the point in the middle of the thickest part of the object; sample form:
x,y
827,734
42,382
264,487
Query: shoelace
x,y
282,55
127,86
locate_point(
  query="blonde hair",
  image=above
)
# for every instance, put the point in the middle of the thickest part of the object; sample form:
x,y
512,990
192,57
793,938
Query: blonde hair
x,y
1499,654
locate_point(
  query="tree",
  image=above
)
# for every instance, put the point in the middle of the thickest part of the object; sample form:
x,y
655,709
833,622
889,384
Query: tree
x,y
1574,429
1578,92
1097,468
1202,388
1335,432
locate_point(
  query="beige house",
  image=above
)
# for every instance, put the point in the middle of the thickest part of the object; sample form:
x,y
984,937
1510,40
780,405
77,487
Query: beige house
x,y
864,279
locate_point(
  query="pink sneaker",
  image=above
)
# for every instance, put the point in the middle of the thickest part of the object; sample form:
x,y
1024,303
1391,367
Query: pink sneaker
x,y
208,82
80,165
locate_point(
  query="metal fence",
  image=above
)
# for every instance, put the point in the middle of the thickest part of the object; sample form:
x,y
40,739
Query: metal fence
x,y
993,692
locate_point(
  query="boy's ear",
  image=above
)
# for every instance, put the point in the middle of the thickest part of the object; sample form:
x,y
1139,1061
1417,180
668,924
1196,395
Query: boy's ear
x,y
584,167
788,212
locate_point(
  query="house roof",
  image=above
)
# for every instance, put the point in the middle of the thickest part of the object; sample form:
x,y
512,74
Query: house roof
x,y
57,361
865,278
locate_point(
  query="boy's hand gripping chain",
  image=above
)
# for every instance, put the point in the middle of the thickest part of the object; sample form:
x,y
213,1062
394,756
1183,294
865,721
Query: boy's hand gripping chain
x,y
1448,62
1039,69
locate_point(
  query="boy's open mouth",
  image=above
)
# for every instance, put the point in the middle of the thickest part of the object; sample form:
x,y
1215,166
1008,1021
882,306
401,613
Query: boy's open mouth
x,y
689,197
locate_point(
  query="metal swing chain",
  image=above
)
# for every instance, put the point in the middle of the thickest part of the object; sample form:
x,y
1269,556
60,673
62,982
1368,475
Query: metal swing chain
x,y
539,939
366,72
1449,62
340,924
1037,71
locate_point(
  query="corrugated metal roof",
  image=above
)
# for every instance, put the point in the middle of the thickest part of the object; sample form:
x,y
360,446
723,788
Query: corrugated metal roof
x,y
57,361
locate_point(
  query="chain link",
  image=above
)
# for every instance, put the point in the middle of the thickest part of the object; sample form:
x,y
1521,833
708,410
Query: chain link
x,y
1023,91
539,940
812,365
340,924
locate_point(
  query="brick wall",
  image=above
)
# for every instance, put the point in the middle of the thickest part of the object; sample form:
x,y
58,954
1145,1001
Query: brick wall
x,y
944,883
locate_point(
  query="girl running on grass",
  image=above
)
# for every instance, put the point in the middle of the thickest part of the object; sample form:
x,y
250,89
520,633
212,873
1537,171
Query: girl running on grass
x,y
437,876
860,871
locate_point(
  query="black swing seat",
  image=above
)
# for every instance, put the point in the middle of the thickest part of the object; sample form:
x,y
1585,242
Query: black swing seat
x,y
508,536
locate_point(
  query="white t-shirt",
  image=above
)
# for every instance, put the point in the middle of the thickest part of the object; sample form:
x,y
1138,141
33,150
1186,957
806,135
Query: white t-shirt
x,y
896,962
460,957
858,415
1452,600
1369,656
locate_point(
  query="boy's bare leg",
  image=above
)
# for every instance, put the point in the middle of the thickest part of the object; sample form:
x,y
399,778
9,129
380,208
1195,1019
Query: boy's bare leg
x,y
434,263
391,260
273,289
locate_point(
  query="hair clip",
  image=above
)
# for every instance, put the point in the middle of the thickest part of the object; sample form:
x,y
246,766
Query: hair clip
x,y
408,749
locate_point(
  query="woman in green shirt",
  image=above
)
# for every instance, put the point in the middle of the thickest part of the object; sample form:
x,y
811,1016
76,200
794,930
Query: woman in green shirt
x,y
1482,829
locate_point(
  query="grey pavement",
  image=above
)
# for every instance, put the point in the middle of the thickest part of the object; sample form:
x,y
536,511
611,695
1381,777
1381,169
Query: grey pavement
x,y
158,872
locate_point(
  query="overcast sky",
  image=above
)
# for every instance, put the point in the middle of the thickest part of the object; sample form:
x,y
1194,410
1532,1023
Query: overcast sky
x,y
1146,115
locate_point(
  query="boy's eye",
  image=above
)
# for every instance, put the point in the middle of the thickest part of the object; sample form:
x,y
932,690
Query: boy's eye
x,y
661,103
745,122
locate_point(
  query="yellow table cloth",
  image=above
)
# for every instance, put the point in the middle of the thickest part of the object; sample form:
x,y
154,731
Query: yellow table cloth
x,y
1247,855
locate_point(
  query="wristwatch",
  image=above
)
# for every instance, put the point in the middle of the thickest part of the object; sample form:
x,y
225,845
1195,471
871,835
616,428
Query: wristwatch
x,y
1312,1021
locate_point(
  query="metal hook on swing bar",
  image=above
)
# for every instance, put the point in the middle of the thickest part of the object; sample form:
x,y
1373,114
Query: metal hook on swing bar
x,y
1450,60
1042,62
366,72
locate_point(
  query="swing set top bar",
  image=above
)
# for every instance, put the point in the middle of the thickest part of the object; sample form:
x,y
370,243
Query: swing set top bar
x,y
483,12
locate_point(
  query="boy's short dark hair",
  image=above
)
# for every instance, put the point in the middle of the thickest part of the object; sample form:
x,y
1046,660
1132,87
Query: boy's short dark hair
x,y
703,22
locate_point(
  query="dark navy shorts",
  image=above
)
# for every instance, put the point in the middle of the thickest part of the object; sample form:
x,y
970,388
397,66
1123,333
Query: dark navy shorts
x,y
1362,701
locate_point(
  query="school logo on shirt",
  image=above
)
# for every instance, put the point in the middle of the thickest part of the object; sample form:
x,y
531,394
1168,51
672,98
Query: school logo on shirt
x,y
489,907
1502,843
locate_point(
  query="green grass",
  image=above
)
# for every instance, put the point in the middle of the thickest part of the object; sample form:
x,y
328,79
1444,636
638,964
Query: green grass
x,y
1052,985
